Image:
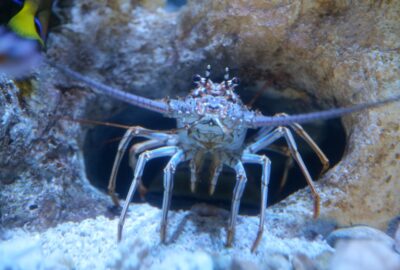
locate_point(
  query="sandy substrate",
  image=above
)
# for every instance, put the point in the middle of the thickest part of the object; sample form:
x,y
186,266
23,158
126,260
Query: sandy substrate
x,y
192,240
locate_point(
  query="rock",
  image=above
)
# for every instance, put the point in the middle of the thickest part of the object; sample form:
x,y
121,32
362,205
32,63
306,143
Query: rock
x,y
306,47
42,181
302,262
41,154
322,261
318,228
359,233
239,264
276,262
397,240
28,255
366,255
393,225
302,47
189,260
330,54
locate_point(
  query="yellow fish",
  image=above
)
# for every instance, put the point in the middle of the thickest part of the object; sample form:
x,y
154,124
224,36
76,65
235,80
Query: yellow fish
x,y
23,23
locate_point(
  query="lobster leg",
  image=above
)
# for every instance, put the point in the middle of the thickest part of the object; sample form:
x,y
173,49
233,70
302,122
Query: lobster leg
x,y
265,141
169,172
216,168
143,159
288,166
132,132
241,180
303,134
261,133
137,149
296,155
195,166
285,132
123,144
266,171
284,151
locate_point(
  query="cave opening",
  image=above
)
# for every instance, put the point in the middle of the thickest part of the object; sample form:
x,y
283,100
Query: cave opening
x,y
101,142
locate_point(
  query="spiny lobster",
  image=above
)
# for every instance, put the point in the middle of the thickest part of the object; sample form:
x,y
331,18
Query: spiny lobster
x,y
213,121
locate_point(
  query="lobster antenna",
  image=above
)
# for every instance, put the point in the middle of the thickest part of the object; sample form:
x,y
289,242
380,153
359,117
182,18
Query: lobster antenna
x,y
260,121
226,77
94,122
142,102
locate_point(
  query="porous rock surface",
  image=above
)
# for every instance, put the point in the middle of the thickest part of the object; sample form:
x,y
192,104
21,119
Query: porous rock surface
x,y
338,52
41,177
341,53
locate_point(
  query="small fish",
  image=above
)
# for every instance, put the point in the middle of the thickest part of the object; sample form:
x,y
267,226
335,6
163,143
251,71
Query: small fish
x,y
23,39
24,22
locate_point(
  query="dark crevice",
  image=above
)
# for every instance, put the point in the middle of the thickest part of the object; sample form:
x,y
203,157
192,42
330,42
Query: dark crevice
x,y
101,143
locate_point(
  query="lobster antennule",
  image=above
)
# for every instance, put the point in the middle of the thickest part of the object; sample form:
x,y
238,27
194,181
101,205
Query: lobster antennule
x,y
142,102
281,120
208,74
226,77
